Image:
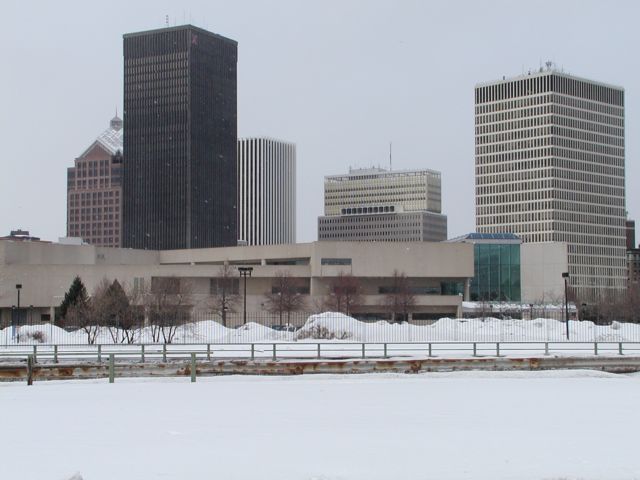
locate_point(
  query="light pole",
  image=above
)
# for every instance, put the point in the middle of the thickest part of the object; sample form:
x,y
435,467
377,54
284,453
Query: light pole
x,y
15,321
565,275
245,272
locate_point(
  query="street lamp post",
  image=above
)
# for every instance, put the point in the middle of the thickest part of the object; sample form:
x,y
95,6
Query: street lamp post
x,y
565,275
17,315
245,272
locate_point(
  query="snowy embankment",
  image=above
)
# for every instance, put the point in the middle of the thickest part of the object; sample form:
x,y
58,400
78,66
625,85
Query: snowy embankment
x,y
462,426
333,326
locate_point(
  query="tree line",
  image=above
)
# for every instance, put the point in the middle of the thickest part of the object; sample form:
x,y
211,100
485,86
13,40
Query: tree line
x,y
168,302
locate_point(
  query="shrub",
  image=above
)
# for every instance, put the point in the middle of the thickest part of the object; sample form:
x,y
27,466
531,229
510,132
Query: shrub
x,y
320,332
37,336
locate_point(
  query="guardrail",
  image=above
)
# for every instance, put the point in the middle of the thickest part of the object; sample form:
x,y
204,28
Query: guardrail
x,y
308,350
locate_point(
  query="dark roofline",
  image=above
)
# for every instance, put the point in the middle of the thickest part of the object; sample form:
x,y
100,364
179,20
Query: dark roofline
x,y
179,27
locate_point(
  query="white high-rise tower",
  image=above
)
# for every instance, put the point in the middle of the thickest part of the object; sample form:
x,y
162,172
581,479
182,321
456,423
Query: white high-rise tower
x,y
550,167
266,191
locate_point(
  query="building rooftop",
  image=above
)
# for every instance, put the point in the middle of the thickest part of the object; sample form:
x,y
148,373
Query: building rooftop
x,y
547,70
486,236
111,138
377,172
179,27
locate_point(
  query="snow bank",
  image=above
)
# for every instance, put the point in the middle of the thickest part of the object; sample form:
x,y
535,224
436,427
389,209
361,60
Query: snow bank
x,y
333,326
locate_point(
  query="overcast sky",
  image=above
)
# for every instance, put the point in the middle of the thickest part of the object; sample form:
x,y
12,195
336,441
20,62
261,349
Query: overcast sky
x,y
341,79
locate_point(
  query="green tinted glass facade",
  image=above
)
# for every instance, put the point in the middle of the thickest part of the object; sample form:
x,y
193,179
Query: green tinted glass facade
x,y
496,272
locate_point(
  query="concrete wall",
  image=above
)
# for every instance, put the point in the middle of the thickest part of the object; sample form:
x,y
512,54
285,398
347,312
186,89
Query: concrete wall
x,y
542,265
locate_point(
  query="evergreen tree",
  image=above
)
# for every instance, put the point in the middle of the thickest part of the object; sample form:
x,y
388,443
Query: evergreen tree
x,y
77,293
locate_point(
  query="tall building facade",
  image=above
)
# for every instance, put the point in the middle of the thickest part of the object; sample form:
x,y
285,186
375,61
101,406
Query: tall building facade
x,y
180,112
379,205
266,191
550,167
94,190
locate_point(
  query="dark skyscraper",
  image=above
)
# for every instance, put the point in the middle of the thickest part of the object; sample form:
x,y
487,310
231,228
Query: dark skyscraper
x,y
180,103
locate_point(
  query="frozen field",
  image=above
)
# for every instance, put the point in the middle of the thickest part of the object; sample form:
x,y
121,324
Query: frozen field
x,y
545,425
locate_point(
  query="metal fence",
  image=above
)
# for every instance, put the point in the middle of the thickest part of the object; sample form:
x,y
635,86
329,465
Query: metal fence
x,y
203,328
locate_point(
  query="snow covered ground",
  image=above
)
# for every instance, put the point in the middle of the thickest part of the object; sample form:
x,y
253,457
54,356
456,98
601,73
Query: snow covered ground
x,y
474,425
336,326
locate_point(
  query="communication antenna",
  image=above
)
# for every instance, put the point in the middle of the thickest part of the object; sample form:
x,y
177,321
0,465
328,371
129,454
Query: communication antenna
x,y
166,20
390,144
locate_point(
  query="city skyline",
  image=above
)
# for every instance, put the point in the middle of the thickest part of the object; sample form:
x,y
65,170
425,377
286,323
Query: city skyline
x,y
329,94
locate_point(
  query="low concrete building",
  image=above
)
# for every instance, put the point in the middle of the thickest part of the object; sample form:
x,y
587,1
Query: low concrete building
x,y
437,272
507,270
542,265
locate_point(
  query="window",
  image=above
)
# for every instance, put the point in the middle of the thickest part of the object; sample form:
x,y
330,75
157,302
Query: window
x,y
335,261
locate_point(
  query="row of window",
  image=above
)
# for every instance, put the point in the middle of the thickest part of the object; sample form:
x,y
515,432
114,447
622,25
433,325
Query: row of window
x,y
558,157
523,113
513,135
549,82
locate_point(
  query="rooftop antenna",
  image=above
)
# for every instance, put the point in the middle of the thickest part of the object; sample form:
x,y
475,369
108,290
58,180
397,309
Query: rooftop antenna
x,y
390,144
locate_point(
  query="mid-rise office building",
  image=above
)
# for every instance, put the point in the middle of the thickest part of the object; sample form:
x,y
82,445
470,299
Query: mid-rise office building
x,y
266,191
381,205
94,190
631,234
550,168
180,112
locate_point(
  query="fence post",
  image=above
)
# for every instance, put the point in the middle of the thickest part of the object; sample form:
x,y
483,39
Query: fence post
x,y
430,350
475,349
55,354
142,353
193,367
363,354
253,351
111,368
595,348
164,352
385,351
208,351
274,352
497,349
318,350
30,370
546,348
99,353
620,348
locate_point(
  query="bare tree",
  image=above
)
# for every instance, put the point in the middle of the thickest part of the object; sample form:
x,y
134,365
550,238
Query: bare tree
x,y
225,291
344,294
133,317
110,304
631,307
399,298
169,308
285,296
82,313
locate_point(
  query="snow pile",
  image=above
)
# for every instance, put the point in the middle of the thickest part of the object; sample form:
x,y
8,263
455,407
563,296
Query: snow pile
x,y
333,326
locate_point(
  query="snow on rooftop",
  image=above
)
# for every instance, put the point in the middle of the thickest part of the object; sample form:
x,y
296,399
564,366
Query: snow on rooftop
x,y
111,140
